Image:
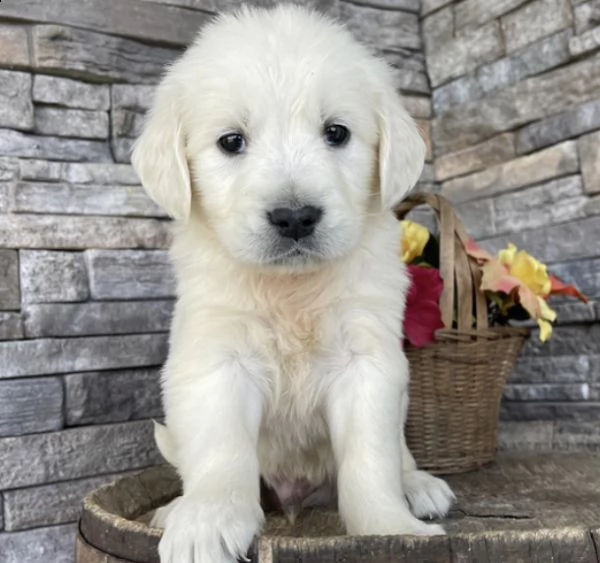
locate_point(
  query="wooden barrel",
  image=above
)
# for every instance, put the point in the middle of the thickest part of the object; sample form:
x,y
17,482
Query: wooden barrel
x,y
522,508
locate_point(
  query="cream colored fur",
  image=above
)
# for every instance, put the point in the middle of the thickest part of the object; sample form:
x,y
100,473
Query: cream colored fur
x,y
285,365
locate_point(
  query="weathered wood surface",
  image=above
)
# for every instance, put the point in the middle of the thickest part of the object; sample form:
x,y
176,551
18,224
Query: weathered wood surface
x,y
523,508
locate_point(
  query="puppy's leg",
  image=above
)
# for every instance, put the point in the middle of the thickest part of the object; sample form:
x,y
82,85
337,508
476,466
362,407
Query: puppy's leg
x,y
213,416
429,497
365,423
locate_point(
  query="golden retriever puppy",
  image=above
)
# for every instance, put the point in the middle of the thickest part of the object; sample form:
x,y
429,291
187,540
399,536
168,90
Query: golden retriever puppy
x,y
279,146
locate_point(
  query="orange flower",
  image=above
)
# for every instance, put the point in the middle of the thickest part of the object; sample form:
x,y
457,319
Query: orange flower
x,y
523,280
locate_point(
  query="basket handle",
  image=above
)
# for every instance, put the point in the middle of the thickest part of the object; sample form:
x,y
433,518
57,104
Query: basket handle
x,y
459,272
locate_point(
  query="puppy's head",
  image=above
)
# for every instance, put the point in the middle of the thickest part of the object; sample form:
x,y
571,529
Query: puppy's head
x,y
282,134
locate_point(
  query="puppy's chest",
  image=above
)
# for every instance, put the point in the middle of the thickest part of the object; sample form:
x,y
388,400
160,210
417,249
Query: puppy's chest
x,y
297,338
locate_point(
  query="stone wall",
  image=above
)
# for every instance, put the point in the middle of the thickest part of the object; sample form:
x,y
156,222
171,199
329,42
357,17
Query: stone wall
x,y
516,138
85,287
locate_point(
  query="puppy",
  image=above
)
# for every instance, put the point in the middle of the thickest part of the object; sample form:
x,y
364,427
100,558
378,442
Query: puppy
x,y
279,146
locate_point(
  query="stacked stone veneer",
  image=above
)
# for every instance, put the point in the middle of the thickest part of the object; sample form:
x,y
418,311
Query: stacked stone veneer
x,y
85,287
516,140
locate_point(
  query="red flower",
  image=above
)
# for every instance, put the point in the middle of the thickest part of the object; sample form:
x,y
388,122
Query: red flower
x,y
422,317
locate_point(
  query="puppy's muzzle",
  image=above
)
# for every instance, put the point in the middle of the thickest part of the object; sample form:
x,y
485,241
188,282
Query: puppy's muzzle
x,y
295,223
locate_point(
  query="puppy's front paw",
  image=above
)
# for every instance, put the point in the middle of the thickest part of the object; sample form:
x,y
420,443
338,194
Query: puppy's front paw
x,y
201,529
428,496
390,521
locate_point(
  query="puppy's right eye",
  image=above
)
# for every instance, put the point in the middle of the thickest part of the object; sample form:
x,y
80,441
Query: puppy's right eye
x,y
232,143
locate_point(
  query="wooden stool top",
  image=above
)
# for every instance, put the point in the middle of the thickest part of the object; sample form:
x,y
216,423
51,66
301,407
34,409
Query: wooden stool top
x,y
522,508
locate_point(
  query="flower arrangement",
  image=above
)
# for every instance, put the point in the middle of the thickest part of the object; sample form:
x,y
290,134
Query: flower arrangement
x,y
516,285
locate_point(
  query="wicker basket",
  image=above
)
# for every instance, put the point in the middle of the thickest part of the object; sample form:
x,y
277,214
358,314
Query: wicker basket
x,y
457,382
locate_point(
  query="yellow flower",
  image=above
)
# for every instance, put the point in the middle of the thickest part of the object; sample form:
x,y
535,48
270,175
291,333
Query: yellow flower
x,y
414,239
547,316
527,269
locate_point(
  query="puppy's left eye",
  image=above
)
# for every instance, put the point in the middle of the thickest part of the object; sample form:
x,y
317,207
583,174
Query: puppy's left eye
x,y
336,135
232,143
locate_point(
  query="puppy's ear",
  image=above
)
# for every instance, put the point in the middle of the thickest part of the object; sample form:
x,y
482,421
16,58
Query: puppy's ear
x,y
401,150
159,155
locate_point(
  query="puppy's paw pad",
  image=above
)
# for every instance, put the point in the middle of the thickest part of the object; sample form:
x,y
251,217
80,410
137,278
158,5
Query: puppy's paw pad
x,y
199,530
428,496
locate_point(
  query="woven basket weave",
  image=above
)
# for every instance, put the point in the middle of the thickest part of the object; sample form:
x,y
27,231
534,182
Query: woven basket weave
x,y
457,382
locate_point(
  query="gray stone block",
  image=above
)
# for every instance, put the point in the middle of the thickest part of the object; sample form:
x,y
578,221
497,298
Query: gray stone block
x,y
406,5
566,410
66,355
89,319
465,53
570,312
553,202
65,232
9,168
555,243
30,405
101,397
552,130
383,29
535,20
75,199
78,173
10,294
494,151
49,505
544,165
572,340
589,152
586,43
586,15
474,13
133,274
5,197
525,436
438,29
121,149
14,46
428,6
419,107
411,81
531,99
44,170
583,273
576,436
55,544
70,93
11,326
592,207
85,54
556,369
141,20
49,276
16,108
478,217
536,58
13,143
547,392
74,453
81,123
134,97
127,123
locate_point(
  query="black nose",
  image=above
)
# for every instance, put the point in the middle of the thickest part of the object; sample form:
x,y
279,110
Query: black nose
x,y
295,223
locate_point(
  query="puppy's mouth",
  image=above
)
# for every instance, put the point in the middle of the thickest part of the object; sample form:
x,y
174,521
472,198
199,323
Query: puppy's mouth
x,y
296,253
